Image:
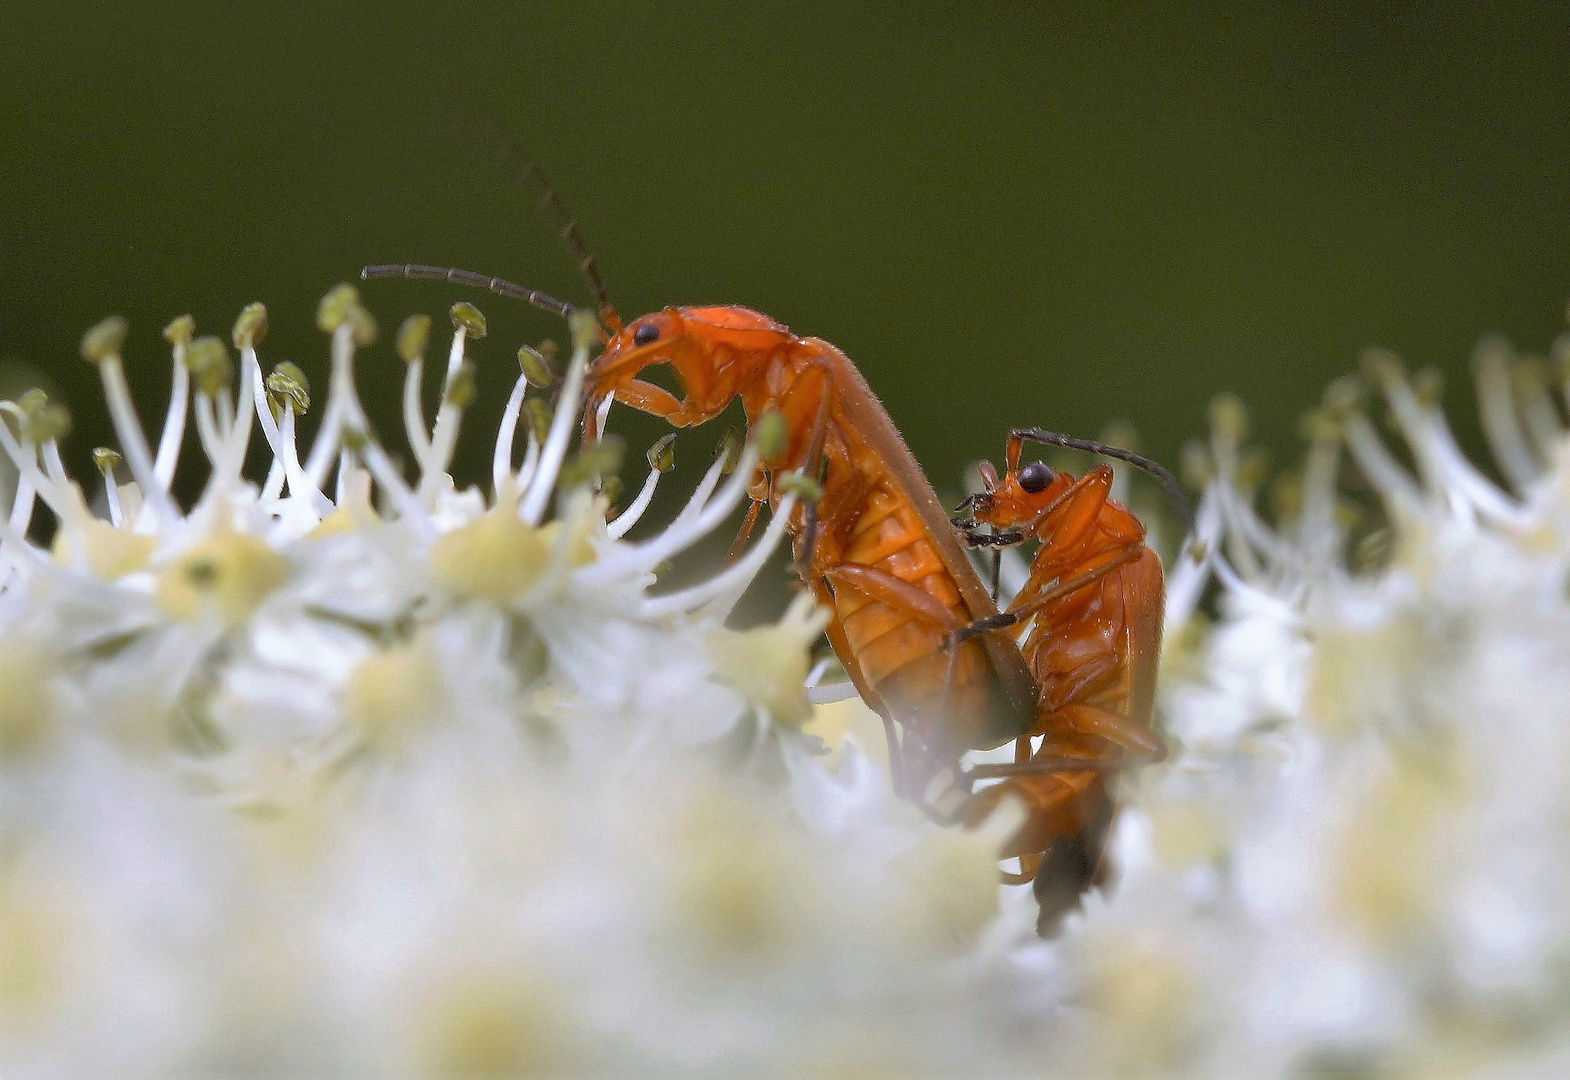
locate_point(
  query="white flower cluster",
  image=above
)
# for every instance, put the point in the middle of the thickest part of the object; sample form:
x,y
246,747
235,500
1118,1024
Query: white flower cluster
x,y
1358,861
409,779
385,776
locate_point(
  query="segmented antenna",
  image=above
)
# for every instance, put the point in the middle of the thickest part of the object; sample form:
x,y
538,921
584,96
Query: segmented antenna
x,y
1167,481
469,277
513,157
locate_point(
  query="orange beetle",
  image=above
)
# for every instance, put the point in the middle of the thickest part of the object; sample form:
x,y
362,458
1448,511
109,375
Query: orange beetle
x,y
876,547
911,620
1088,620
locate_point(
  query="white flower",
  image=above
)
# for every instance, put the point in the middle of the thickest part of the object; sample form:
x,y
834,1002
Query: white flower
x,y
341,769
1358,860
347,770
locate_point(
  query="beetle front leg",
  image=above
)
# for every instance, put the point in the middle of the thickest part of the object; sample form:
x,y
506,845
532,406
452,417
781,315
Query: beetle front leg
x,y
654,400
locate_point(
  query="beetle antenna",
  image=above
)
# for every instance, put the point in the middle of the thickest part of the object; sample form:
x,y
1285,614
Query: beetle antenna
x,y
469,277
1168,482
514,158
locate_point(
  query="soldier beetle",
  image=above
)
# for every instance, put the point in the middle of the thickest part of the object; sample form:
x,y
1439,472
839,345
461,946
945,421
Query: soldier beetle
x,y
914,626
1088,620
876,546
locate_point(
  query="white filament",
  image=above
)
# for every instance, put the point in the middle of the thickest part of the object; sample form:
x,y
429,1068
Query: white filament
x,y
132,442
174,420
414,410
532,509
630,516
501,458
723,589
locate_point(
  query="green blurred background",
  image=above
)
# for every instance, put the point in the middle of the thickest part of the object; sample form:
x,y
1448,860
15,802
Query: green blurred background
x,y
1004,213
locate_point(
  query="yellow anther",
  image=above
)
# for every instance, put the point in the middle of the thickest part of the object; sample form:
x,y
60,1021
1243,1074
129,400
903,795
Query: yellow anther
x,y
1382,367
1286,496
1429,386
48,421
467,320
1121,433
1252,468
728,450
535,367
1344,396
363,325
105,459
251,325
585,329
180,330
334,308
413,336
662,455
208,360
43,419
104,340
1320,425
287,383
603,458
1229,417
803,487
770,433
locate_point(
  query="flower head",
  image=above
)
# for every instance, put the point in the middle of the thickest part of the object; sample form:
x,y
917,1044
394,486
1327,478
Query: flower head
x,y
347,767
412,775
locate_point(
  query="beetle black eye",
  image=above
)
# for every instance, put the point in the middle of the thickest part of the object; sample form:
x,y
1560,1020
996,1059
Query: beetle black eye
x,y
646,334
1035,477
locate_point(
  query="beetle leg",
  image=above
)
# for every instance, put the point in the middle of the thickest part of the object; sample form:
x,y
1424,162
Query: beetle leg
x,y
1041,764
811,394
1028,865
917,605
1128,743
1063,588
977,538
746,531
1115,728
654,400
1001,621
1050,818
809,538
884,587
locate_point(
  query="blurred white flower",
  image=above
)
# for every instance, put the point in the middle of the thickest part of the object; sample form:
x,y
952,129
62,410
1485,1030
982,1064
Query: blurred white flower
x,y
342,771
1358,860
348,770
